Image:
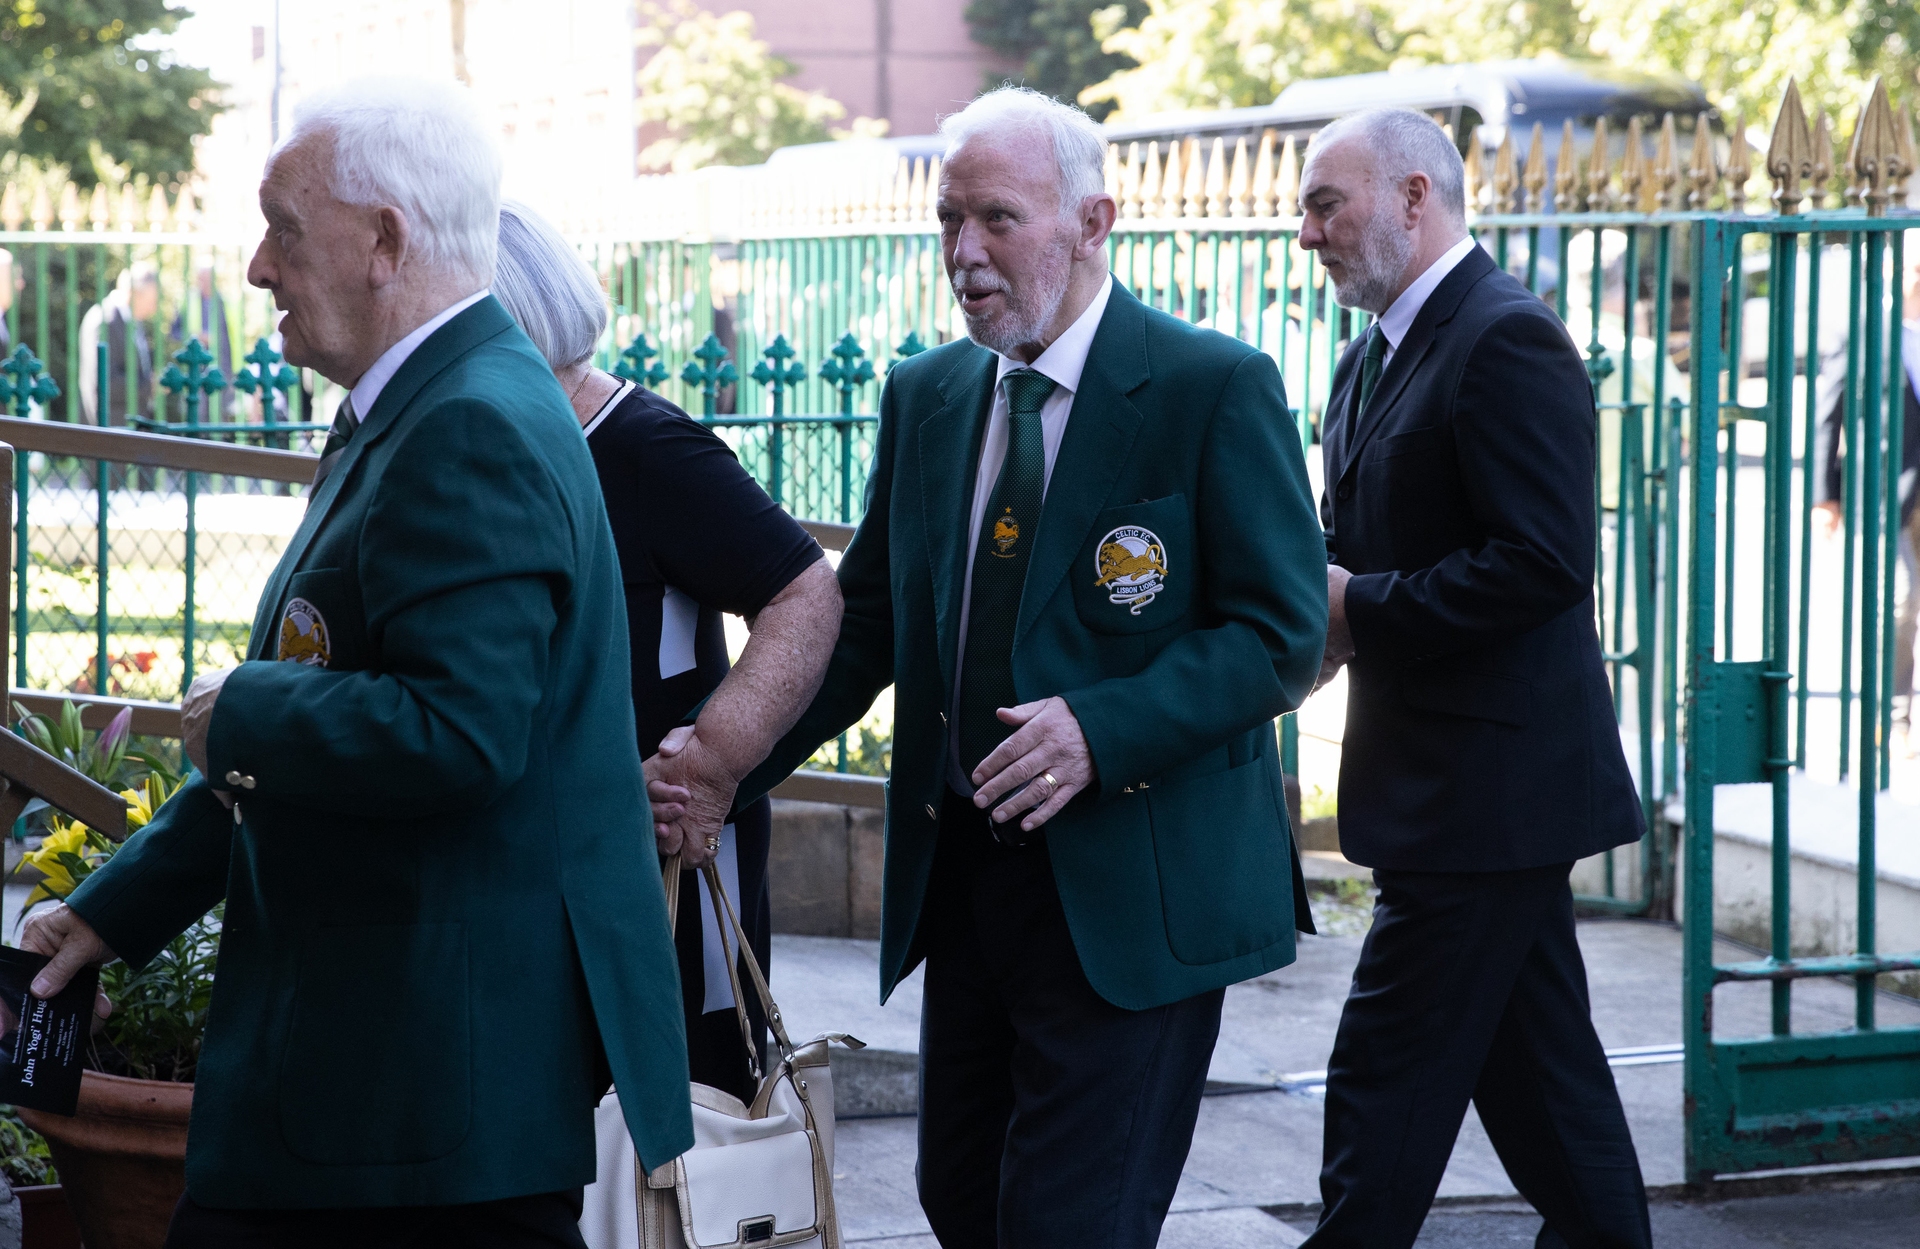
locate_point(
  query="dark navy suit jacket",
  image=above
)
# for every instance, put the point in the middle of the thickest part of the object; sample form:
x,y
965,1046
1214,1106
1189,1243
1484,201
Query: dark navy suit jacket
x,y
1480,728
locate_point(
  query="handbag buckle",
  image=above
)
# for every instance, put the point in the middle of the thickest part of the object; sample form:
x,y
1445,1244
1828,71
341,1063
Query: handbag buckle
x,y
756,1231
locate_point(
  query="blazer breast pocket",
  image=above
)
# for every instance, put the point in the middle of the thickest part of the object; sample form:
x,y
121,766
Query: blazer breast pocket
x,y
1137,570
1413,441
319,621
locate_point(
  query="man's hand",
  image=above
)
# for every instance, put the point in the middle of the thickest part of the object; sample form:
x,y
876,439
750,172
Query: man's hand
x,y
196,718
693,787
1048,744
1339,634
1826,517
71,942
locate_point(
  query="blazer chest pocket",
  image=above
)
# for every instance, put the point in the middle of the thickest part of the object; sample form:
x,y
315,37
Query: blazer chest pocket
x,y
1413,441
319,622
1137,570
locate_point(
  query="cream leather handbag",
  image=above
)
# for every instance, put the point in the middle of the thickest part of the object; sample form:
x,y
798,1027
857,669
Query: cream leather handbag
x,y
758,1176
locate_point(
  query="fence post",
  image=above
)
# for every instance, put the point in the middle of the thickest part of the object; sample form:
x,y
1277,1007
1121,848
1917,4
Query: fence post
x,y
264,378
775,373
190,383
709,370
23,379
638,366
848,368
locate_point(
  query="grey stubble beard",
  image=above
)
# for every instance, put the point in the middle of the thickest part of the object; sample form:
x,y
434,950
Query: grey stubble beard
x,y
1379,263
1031,306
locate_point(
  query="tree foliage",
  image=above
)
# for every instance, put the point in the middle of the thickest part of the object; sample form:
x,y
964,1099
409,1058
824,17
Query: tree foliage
x,y
1053,42
79,88
719,92
1214,53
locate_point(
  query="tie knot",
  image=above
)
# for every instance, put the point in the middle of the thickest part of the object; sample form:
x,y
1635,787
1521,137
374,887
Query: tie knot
x,y
1027,391
1376,344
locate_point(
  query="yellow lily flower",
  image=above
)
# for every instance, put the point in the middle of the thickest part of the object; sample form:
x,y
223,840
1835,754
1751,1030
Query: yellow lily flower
x,y
67,838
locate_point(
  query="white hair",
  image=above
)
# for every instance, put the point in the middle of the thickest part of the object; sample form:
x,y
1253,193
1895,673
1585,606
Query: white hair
x,y
1079,148
546,285
421,148
1404,142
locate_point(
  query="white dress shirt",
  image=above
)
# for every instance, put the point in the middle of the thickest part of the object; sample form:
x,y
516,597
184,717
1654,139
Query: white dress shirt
x,y
1063,361
1399,318
366,391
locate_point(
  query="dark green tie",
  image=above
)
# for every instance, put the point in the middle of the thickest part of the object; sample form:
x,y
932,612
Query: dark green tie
x,y
345,421
1000,570
1371,365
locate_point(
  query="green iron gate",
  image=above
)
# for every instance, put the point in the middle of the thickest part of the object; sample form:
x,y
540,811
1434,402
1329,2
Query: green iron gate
x,y
1775,644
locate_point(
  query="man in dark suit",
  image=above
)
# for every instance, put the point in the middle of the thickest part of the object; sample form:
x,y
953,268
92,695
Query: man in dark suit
x,y
1481,756
1090,569
437,678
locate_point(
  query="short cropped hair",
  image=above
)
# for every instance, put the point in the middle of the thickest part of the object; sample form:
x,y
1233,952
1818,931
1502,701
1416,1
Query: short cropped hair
x,y
1404,142
545,285
140,273
419,147
1079,148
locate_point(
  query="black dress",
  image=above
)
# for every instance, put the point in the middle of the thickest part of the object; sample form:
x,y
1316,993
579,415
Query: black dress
x,y
696,537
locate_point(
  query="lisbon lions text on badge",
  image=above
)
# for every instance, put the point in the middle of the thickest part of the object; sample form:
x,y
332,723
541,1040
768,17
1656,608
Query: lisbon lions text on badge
x,y
1131,564
303,635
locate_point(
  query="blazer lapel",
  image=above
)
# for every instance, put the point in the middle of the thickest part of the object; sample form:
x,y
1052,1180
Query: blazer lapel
x,y
1099,437
472,327
1437,311
949,459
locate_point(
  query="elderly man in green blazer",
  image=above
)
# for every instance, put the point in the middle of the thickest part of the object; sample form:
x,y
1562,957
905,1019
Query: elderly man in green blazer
x,y
420,797
1091,569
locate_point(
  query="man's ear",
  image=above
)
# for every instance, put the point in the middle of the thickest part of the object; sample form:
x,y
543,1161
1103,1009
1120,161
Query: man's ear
x,y
1418,197
390,243
1097,215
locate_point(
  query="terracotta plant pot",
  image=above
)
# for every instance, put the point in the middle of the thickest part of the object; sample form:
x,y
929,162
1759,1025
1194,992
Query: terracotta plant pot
x,y
122,1158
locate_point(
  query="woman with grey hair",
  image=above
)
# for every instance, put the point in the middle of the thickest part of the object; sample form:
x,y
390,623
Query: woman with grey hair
x,y
696,537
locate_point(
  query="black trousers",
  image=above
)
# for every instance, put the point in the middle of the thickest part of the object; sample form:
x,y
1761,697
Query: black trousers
x,y
541,1221
1471,987
1049,1117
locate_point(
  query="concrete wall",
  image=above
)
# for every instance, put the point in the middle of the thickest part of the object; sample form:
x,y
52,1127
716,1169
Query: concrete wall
x,y
825,869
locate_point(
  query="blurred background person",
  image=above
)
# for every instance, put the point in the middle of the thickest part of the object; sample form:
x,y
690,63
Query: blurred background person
x,y
697,537
123,317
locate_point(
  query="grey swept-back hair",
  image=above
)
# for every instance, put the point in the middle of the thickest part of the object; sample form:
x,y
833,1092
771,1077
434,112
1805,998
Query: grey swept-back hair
x,y
546,285
1404,142
421,148
1079,149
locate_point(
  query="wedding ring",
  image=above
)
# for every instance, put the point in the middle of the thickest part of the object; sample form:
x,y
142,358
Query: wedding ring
x,y
1051,783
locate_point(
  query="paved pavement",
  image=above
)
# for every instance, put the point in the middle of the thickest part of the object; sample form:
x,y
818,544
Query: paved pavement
x,y
1259,1150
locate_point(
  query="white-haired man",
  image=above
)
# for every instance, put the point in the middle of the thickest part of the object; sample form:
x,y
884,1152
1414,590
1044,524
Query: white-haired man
x,y
1481,756
420,798
1090,569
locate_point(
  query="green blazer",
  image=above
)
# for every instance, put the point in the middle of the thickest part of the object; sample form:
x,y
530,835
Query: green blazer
x,y
1176,870
444,918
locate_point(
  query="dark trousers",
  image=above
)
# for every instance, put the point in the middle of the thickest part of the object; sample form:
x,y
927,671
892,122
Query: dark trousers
x,y
540,1221
1471,987
1049,1117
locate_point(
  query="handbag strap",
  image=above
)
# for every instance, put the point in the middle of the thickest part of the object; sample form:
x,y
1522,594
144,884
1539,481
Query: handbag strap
x,y
720,901
670,882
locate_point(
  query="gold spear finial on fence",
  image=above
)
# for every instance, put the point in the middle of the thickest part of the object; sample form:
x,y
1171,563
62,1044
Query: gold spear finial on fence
x,y
1534,177
1194,186
933,188
1739,165
1790,153
129,214
1599,175
1112,171
97,209
1475,171
903,190
1504,175
1875,156
157,209
1170,179
1150,183
1633,160
1566,173
1263,184
1217,179
1703,170
1666,166
1240,181
42,212
69,207
1822,159
1130,182
10,214
1286,181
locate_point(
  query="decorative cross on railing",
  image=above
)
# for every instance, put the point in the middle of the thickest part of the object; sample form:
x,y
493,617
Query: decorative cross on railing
x,y
848,368
263,376
776,373
709,370
638,365
190,377
909,347
26,380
